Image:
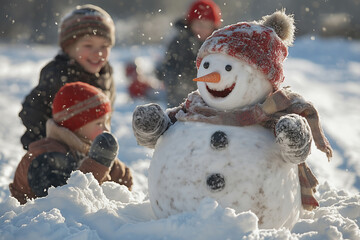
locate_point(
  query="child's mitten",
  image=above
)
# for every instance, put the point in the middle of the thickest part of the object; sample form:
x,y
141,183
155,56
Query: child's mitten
x,y
149,123
293,135
104,149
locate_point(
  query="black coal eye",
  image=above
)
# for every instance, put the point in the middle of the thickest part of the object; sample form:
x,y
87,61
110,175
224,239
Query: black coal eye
x,y
228,68
206,65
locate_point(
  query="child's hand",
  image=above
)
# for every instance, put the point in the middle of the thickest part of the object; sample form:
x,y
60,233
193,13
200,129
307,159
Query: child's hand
x,y
293,135
104,149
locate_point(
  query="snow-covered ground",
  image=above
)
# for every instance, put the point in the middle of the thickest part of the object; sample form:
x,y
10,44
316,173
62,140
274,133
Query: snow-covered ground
x,y
326,72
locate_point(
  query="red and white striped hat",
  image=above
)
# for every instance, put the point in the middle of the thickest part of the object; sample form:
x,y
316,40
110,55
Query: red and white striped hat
x,y
77,104
263,45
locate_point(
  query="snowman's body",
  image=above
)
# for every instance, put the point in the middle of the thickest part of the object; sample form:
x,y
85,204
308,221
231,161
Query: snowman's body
x,y
240,167
244,172
244,167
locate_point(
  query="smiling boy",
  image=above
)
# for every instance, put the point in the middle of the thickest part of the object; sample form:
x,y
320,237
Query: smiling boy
x,y
86,36
91,52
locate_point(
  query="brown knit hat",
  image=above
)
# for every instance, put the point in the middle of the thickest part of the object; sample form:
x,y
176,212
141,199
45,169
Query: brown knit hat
x,y
86,20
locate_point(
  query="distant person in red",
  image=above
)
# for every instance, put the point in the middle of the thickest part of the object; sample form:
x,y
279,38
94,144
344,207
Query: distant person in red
x,y
178,67
137,88
142,84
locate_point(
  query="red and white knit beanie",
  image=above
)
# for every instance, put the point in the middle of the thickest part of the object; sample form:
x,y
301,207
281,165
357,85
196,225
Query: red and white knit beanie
x,y
86,20
263,45
77,104
206,10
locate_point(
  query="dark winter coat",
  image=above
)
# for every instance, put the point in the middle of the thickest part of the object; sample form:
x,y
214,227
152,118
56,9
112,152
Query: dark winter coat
x,y
61,70
178,68
50,161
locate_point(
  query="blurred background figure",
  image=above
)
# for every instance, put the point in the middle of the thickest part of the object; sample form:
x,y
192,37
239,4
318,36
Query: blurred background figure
x,y
142,83
178,66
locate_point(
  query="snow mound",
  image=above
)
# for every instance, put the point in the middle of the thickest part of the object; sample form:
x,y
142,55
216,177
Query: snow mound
x,y
84,210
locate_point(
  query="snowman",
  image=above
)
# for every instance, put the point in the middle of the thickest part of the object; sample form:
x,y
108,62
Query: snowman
x,y
238,139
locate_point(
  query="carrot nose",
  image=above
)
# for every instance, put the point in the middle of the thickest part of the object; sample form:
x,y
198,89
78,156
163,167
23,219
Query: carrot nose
x,y
213,77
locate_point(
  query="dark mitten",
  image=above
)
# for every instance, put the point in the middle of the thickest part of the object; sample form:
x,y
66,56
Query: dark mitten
x,y
293,135
149,123
104,149
49,169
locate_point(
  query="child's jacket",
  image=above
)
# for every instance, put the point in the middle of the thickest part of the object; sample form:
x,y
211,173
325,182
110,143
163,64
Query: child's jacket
x,y
68,143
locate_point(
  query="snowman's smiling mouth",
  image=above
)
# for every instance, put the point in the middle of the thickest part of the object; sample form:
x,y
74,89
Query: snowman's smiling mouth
x,y
223,93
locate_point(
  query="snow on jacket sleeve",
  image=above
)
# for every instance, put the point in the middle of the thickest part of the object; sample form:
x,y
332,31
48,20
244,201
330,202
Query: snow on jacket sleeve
x,y
37,105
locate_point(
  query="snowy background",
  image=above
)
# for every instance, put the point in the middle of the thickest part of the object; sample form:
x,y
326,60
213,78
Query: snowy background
x,y
326,72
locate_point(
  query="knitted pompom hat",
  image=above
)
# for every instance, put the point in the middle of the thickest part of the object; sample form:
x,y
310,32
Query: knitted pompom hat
x,y
206,10
77,104
261,44
86,20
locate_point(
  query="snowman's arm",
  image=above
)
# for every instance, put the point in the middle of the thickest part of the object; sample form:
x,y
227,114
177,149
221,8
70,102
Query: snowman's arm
x,y
293,135
149,123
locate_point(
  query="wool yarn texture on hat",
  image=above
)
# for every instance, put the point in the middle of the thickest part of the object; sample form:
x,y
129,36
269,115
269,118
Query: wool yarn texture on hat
x,y
204,10
263,45
77,104
86,20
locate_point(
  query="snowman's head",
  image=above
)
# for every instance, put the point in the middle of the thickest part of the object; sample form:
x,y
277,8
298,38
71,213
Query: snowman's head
x,y
226,82
241,56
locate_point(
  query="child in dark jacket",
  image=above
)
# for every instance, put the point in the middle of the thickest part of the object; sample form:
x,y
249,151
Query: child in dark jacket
x,y
86,36
178,67
77,138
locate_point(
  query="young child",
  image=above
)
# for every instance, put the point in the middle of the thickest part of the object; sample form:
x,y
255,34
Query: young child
x,y
178,67
86,36
77,137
